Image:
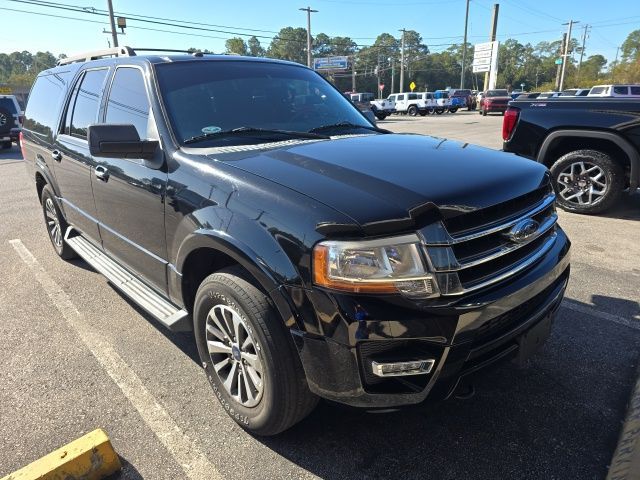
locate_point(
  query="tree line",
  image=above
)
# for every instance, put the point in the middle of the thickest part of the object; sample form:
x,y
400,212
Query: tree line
x,y
532,65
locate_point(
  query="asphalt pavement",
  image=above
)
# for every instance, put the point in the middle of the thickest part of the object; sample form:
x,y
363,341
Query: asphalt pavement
x,y
76,355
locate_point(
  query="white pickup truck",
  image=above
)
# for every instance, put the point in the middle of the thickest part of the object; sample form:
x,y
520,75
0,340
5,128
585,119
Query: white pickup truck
x,y
383,108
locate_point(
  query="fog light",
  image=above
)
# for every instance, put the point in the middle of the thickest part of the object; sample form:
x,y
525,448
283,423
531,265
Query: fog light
x,y
397,369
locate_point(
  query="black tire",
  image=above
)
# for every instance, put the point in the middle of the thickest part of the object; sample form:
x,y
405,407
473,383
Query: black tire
x,y
285,398
56,224
423,113
483,112
439,111
380,116
563,177
412,110
453,110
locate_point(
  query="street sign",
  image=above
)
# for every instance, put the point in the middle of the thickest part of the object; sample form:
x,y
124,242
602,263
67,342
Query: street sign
x,y
412,86
381,86
558,61
485,58
331,63
5,90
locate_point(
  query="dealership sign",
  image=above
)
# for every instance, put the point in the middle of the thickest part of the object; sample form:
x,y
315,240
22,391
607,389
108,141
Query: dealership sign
x,y
331,63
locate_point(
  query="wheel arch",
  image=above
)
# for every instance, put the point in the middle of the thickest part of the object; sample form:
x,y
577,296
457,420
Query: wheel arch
x,y
560,142
207,251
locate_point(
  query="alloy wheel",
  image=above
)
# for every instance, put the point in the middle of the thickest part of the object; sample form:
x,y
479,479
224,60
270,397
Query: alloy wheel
x,y
582,183
53,222
234,355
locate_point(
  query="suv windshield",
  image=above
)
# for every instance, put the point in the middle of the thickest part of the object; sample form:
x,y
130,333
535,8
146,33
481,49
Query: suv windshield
x,y
497,93
208,100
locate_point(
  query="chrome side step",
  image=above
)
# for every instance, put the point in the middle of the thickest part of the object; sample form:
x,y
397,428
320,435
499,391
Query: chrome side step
x,y
148,299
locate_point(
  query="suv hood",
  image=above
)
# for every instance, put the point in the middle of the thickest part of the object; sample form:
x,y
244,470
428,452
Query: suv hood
x,y
385,179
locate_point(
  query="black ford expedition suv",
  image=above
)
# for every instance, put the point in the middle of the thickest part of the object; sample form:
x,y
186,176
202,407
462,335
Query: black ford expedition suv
x,y
312,254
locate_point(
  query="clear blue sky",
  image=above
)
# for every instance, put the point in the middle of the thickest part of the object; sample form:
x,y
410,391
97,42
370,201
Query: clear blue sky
x,y
439,22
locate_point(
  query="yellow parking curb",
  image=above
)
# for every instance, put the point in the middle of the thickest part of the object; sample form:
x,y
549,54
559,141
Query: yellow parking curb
x,y
90,457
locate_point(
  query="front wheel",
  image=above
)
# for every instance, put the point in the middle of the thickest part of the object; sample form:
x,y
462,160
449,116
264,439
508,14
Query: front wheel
x,y
453,110
439,111
249,360
412,111
483,112
587,181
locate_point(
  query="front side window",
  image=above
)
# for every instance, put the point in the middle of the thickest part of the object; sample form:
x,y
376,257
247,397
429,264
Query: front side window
x,y
128,102
400,97
212,98
85,101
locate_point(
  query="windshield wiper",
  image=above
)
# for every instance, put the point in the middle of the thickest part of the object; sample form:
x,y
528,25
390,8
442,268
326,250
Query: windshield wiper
x,y
254,131
348,125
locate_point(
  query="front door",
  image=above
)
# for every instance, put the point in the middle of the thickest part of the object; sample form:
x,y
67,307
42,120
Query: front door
x,y
73,163
129,194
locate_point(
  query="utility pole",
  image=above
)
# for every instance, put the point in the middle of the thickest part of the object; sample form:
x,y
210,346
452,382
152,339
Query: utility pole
x,y
584,41
492,37
353,75
565,57
393,75
615,64
114,33
309,12
559,69
402,64
464,46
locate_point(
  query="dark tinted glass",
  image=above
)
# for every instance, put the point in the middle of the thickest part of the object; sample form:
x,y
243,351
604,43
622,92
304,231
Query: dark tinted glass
x,y
635,90
621,90
400,97
8,104
497,93
44,104
412,96
86,102
128,102
213,96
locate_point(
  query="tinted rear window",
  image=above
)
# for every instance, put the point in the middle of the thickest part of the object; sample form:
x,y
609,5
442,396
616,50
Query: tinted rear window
x,y
497,93
8,104
621,90
44,103
635,90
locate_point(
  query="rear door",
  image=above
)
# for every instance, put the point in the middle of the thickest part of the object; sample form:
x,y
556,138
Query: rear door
x,y
129,194
73,163
401,102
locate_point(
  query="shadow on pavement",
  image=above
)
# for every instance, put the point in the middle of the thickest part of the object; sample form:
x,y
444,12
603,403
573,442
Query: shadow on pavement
x,y
628,208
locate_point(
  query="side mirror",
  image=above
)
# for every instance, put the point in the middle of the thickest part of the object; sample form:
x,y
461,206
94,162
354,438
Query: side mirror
x,y
119,141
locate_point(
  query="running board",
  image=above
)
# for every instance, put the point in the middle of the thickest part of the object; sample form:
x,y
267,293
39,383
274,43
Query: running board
x,y
148,299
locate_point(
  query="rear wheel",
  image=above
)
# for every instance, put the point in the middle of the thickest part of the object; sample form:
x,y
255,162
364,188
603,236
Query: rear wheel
x,y
453,110
439,111
483,112
412,111
56,224
249,359
587,181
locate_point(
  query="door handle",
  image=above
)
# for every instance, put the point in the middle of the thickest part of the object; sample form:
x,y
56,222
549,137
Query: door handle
x,y
102,173
56,155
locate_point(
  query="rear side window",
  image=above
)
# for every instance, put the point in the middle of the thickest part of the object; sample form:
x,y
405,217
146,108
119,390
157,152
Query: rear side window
x,y
412,96
635,90
84,103
44,104
128,102
618,90
367,97
400,97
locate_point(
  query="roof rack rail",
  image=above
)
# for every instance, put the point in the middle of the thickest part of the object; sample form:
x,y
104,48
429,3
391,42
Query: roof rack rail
x,y
97,54
122,52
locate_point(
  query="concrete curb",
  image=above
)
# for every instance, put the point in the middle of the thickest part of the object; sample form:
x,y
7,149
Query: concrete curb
x,y
90,457
625,464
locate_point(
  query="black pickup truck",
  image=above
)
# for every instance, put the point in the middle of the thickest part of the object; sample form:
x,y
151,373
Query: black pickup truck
x,y
311,253
591,146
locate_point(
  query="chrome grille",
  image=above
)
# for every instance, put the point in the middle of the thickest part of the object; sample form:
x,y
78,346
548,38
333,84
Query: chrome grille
x,y
468,255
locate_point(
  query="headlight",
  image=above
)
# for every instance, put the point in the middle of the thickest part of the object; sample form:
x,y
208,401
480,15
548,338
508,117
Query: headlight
x,y
389,265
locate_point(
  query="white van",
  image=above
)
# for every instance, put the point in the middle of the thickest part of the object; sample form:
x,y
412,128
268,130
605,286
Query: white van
x,y
624,91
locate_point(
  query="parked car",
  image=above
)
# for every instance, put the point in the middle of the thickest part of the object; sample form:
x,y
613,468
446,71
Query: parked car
x,y
590,146
468,99
409,103
10,120
575,92
383,108
443,102
363,102
428,100
494,101
531,95
311,253
549,95
619,91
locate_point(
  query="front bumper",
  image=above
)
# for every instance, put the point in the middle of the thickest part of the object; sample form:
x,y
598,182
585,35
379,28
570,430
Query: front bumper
x,y
462,337
495,108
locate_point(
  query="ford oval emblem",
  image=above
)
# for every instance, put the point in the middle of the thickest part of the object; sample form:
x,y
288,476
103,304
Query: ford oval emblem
x,y
523,231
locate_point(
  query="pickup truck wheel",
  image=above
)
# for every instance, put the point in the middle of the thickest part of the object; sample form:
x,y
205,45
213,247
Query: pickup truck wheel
x,y
587,181
249,360
380,116
424,113
56,224
483,113
439,111
412,111
453,110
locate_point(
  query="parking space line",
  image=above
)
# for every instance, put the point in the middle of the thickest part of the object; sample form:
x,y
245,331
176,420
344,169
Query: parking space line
x,y
627,322
185,452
